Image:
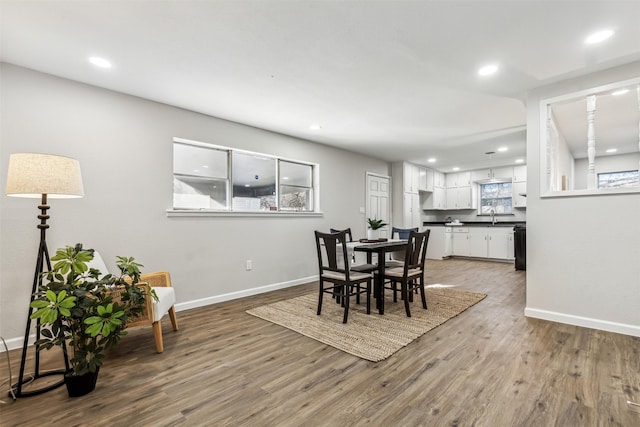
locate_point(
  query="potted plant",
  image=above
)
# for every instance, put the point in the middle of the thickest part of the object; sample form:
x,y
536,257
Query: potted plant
x,y
374,225
85,312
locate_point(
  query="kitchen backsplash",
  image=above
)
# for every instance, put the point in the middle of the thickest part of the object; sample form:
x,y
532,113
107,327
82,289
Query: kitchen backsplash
x,y
467,215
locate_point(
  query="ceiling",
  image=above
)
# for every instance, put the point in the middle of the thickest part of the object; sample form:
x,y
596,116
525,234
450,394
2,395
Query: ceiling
x,y
396,80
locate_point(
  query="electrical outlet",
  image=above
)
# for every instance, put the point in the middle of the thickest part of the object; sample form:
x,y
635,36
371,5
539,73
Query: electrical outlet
x,y
249,265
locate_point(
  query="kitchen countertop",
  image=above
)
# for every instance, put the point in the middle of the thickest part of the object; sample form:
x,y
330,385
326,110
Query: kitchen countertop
x,y
477,223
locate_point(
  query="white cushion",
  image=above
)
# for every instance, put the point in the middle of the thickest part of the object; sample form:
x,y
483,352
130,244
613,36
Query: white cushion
x,y
166,298
399,272
353,275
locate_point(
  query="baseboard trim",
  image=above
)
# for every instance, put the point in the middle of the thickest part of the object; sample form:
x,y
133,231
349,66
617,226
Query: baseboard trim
x,y
241,294
14,343
586,322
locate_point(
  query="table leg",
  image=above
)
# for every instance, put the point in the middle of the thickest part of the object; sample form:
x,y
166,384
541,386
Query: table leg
x,y
380,283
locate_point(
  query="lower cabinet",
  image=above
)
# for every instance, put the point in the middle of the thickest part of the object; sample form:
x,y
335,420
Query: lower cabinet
x,y
482,242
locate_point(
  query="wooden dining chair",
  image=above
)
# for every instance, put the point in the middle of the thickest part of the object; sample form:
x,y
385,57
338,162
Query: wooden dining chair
x,y
362,268
411,274
334,269
396,259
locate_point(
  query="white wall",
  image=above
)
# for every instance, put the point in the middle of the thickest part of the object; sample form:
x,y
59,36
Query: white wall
x,y
583,253
124,145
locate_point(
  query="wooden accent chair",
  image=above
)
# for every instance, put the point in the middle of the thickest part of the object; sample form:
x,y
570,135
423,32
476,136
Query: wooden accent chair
x,y
334,268
154,311
411,274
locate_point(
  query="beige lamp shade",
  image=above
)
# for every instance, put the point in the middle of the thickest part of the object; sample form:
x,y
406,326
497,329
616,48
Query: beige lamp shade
x,y
32,175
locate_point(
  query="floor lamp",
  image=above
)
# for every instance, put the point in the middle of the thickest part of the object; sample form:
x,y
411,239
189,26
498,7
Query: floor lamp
x,y
41,176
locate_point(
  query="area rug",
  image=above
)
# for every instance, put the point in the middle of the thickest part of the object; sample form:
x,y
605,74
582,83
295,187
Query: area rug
x,y
372,337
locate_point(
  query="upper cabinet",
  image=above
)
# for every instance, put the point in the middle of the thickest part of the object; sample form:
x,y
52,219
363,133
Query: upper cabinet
x,y
505,173
460,179
410,178
520,173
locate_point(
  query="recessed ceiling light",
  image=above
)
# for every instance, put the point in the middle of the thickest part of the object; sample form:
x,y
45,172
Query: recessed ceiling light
x,y
431,160
598,37
487,70
619,92
519,160
612,150
285,177
100,62
503,149
315,127
456,168
247,185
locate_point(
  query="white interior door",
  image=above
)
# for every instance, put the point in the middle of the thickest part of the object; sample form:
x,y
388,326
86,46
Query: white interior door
x,y
379,200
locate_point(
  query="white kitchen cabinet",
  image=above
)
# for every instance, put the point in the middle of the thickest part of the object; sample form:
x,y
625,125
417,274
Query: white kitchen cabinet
x,y
435,200
438,179
459,198
423,179
460,179
505,173
436,249
519,191
448,241
411,211
429,180
460,241
410,178
481,242
520,173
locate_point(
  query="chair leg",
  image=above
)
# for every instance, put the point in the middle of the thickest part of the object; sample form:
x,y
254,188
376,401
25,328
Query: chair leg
x,y
395,291
358,295
346,299
320,298
405,297
174,319
157,334
424,299
369,296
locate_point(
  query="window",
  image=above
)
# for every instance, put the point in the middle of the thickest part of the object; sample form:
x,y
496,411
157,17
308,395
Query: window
x,y
200,177
254,183
618,179
214,178
496,196
296,191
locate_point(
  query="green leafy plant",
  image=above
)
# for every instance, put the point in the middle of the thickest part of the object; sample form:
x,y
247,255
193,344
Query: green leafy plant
x,y
77,308
375,224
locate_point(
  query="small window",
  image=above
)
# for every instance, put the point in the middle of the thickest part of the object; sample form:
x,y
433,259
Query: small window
x,y
496,197
296,186
618,179
200,177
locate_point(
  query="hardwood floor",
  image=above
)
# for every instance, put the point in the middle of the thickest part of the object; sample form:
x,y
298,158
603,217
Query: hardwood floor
x,y
490,366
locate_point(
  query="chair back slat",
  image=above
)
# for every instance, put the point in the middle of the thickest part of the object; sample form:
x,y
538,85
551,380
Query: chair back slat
x,y
403,234
347,230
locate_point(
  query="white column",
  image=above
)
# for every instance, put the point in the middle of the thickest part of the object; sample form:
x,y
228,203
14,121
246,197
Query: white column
x,y
550,183
592,181
638,92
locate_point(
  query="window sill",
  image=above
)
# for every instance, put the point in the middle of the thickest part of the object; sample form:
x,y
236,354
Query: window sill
x,y
201,213
579,193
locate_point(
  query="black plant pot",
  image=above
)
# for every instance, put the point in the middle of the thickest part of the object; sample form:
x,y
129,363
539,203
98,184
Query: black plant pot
x,y
79,385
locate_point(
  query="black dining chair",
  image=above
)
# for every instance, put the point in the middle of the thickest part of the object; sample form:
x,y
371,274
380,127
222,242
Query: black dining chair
x,y
363,268
333,268
411,274
397,258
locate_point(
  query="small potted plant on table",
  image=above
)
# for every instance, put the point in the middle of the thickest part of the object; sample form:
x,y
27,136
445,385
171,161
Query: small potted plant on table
x,y
375,225
85,313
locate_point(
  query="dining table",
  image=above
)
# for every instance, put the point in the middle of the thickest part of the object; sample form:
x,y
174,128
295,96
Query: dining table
x,y
380,248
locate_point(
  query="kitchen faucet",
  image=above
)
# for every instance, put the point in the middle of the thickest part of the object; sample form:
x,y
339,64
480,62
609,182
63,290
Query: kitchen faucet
x,y
493,216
